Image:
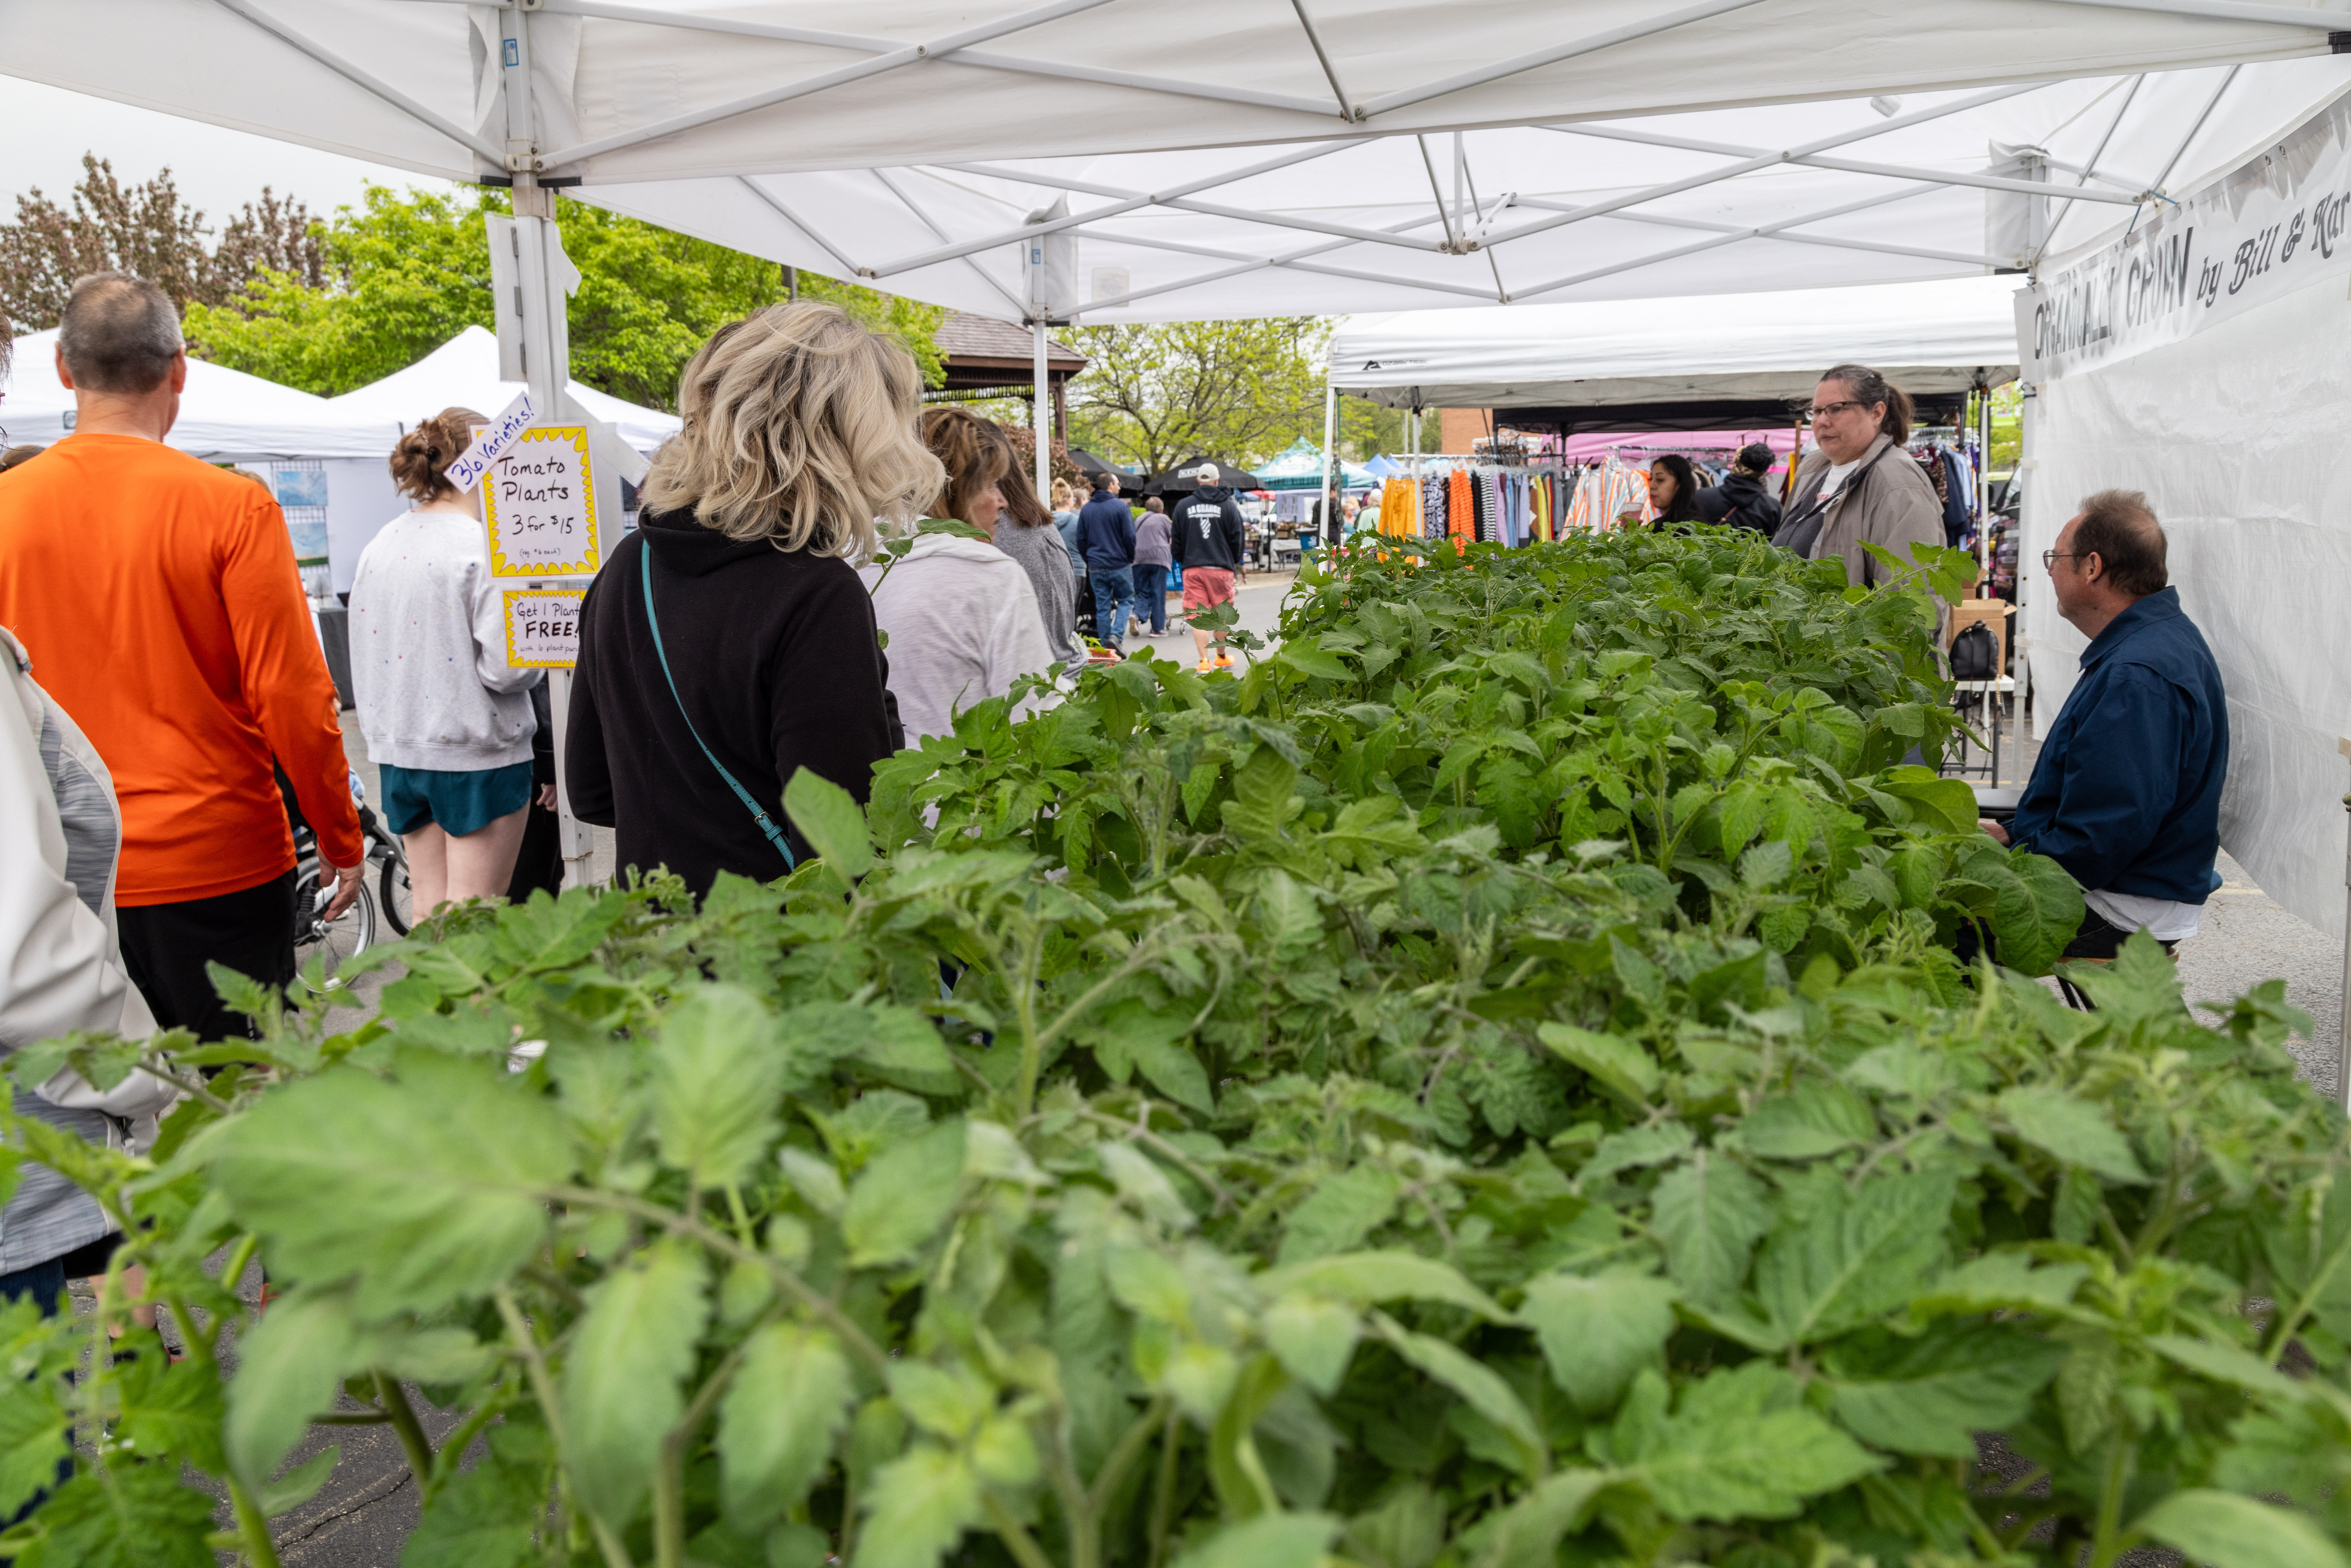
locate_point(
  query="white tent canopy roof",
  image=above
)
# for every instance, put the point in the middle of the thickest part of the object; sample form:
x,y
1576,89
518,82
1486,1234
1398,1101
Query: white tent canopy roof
x,y
463,373
1939,337
225,415
1681,147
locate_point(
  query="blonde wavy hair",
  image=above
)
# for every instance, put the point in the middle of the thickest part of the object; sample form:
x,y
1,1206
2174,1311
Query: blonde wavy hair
x,y
800,429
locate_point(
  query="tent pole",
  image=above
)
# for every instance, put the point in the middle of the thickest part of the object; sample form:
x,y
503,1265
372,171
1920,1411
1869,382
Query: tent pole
x,y
543,328
2342,1032
1983,486
1039,417
1330,457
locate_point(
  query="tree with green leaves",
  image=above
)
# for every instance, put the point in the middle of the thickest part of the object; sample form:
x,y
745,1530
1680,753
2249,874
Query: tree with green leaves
x,y
406,271
1153,395
148,230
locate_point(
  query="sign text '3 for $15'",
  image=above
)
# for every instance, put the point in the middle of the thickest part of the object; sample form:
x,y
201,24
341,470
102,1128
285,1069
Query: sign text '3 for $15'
x,y
538,503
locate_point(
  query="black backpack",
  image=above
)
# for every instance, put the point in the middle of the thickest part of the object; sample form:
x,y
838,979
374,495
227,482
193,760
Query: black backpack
x,y
1975,653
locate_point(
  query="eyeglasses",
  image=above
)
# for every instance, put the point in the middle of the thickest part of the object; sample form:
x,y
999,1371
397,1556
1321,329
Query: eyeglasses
x,y
2050,558
1827,408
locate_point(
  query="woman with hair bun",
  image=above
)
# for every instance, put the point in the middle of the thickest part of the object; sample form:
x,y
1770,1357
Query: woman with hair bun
x,y
446,720
1740,500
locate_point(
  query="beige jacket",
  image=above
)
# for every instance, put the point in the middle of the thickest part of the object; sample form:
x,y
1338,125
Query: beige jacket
x,y
1893,507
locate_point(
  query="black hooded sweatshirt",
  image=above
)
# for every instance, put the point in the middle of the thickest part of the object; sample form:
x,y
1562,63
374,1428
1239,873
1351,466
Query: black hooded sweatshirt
x,y
1741,501
1207,529
775,659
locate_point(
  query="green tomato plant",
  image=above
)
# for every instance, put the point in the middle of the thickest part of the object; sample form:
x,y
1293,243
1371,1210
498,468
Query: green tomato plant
x,y
1243,1124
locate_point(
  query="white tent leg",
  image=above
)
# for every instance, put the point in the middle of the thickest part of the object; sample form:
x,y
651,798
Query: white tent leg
x,y
547,371
1041,413
1330,458
2343,1024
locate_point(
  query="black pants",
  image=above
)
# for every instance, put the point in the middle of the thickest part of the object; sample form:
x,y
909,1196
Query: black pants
x,y
539,863
165,947
2101,938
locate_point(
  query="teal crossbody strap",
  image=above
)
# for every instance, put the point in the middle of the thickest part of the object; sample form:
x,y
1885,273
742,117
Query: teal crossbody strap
x,y
767,823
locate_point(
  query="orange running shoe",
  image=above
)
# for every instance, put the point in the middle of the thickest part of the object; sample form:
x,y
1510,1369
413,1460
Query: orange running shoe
x,y
1208,666
1224,660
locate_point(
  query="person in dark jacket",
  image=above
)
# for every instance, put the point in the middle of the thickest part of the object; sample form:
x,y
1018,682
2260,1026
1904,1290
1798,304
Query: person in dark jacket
x,y
1106,536
2127,792
729,643
1740,500
1209,539
1672,490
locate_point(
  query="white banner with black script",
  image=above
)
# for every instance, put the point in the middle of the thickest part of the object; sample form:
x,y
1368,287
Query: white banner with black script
x,y
2279,222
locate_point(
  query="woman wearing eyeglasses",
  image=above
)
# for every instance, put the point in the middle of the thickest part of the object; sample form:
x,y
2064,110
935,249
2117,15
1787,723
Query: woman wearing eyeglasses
x,y
1858,488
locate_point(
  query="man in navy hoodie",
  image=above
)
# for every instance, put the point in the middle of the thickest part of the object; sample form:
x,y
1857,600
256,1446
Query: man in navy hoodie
x,y
1106,541
2127,792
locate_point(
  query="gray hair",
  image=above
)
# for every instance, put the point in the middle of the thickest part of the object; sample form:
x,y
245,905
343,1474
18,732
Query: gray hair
x,y
118,333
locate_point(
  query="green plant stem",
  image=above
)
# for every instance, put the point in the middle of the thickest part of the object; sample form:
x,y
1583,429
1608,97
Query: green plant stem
x,y
402,1415
454,1450
1130,1448
1032,1043
1163,1499
1013,1533
1174,1156
2109,1542
542,1385
719,1241
253,1526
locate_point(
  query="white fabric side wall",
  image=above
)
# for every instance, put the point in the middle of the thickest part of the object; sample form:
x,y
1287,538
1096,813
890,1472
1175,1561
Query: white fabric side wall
x,y
2236,437
361,498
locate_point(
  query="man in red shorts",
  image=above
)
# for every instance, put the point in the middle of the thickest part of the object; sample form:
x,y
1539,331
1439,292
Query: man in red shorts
x,y
1208,544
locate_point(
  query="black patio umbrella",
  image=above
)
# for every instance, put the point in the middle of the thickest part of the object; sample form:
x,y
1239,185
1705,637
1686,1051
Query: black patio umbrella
x,y
1185,476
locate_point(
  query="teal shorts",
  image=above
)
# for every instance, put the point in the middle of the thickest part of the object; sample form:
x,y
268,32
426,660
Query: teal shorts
x,y
458,803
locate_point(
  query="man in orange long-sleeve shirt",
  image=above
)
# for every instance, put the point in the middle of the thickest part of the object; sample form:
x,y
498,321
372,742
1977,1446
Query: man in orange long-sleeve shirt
x,y
158,597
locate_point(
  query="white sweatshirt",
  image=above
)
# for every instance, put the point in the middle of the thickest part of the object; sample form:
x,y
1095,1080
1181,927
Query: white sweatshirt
x,y
60,970
963,625
428,653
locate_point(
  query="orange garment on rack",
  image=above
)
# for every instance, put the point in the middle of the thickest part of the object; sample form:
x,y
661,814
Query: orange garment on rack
x,y
1461,520
1399,507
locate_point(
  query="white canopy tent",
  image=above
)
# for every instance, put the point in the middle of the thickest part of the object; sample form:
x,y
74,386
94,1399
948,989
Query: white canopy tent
x,y
1949,335
2200,360
225,415
1278,157
463,373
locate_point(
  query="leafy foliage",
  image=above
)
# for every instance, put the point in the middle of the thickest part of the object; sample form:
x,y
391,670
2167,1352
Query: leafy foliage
x,y
408,270
1250,1125
150,231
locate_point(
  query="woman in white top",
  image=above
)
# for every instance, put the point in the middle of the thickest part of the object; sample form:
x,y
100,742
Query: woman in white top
x,y
960,615
447,722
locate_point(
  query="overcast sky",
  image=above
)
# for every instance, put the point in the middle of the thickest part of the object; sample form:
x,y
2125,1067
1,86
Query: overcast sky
x,y
44,131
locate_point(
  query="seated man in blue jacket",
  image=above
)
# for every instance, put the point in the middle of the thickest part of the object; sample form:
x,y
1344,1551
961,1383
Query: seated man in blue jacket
x,y
1106,541
2127,792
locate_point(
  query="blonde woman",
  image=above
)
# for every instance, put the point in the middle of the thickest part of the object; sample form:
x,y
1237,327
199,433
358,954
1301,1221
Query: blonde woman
x,y
729,643
962,617
446,721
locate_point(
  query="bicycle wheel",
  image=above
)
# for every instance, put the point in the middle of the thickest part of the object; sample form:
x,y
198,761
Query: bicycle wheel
x,y
340,939
393,893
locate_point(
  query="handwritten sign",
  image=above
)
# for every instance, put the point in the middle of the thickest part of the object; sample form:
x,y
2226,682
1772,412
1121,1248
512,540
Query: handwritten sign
x,y
543,627
539,501
489,443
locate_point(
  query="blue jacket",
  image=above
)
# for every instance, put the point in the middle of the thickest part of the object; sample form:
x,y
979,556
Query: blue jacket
x,y
1106,533
2127,792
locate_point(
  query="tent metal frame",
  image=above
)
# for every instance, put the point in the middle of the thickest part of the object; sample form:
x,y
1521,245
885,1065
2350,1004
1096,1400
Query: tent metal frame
x,y
1464,223
883,56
